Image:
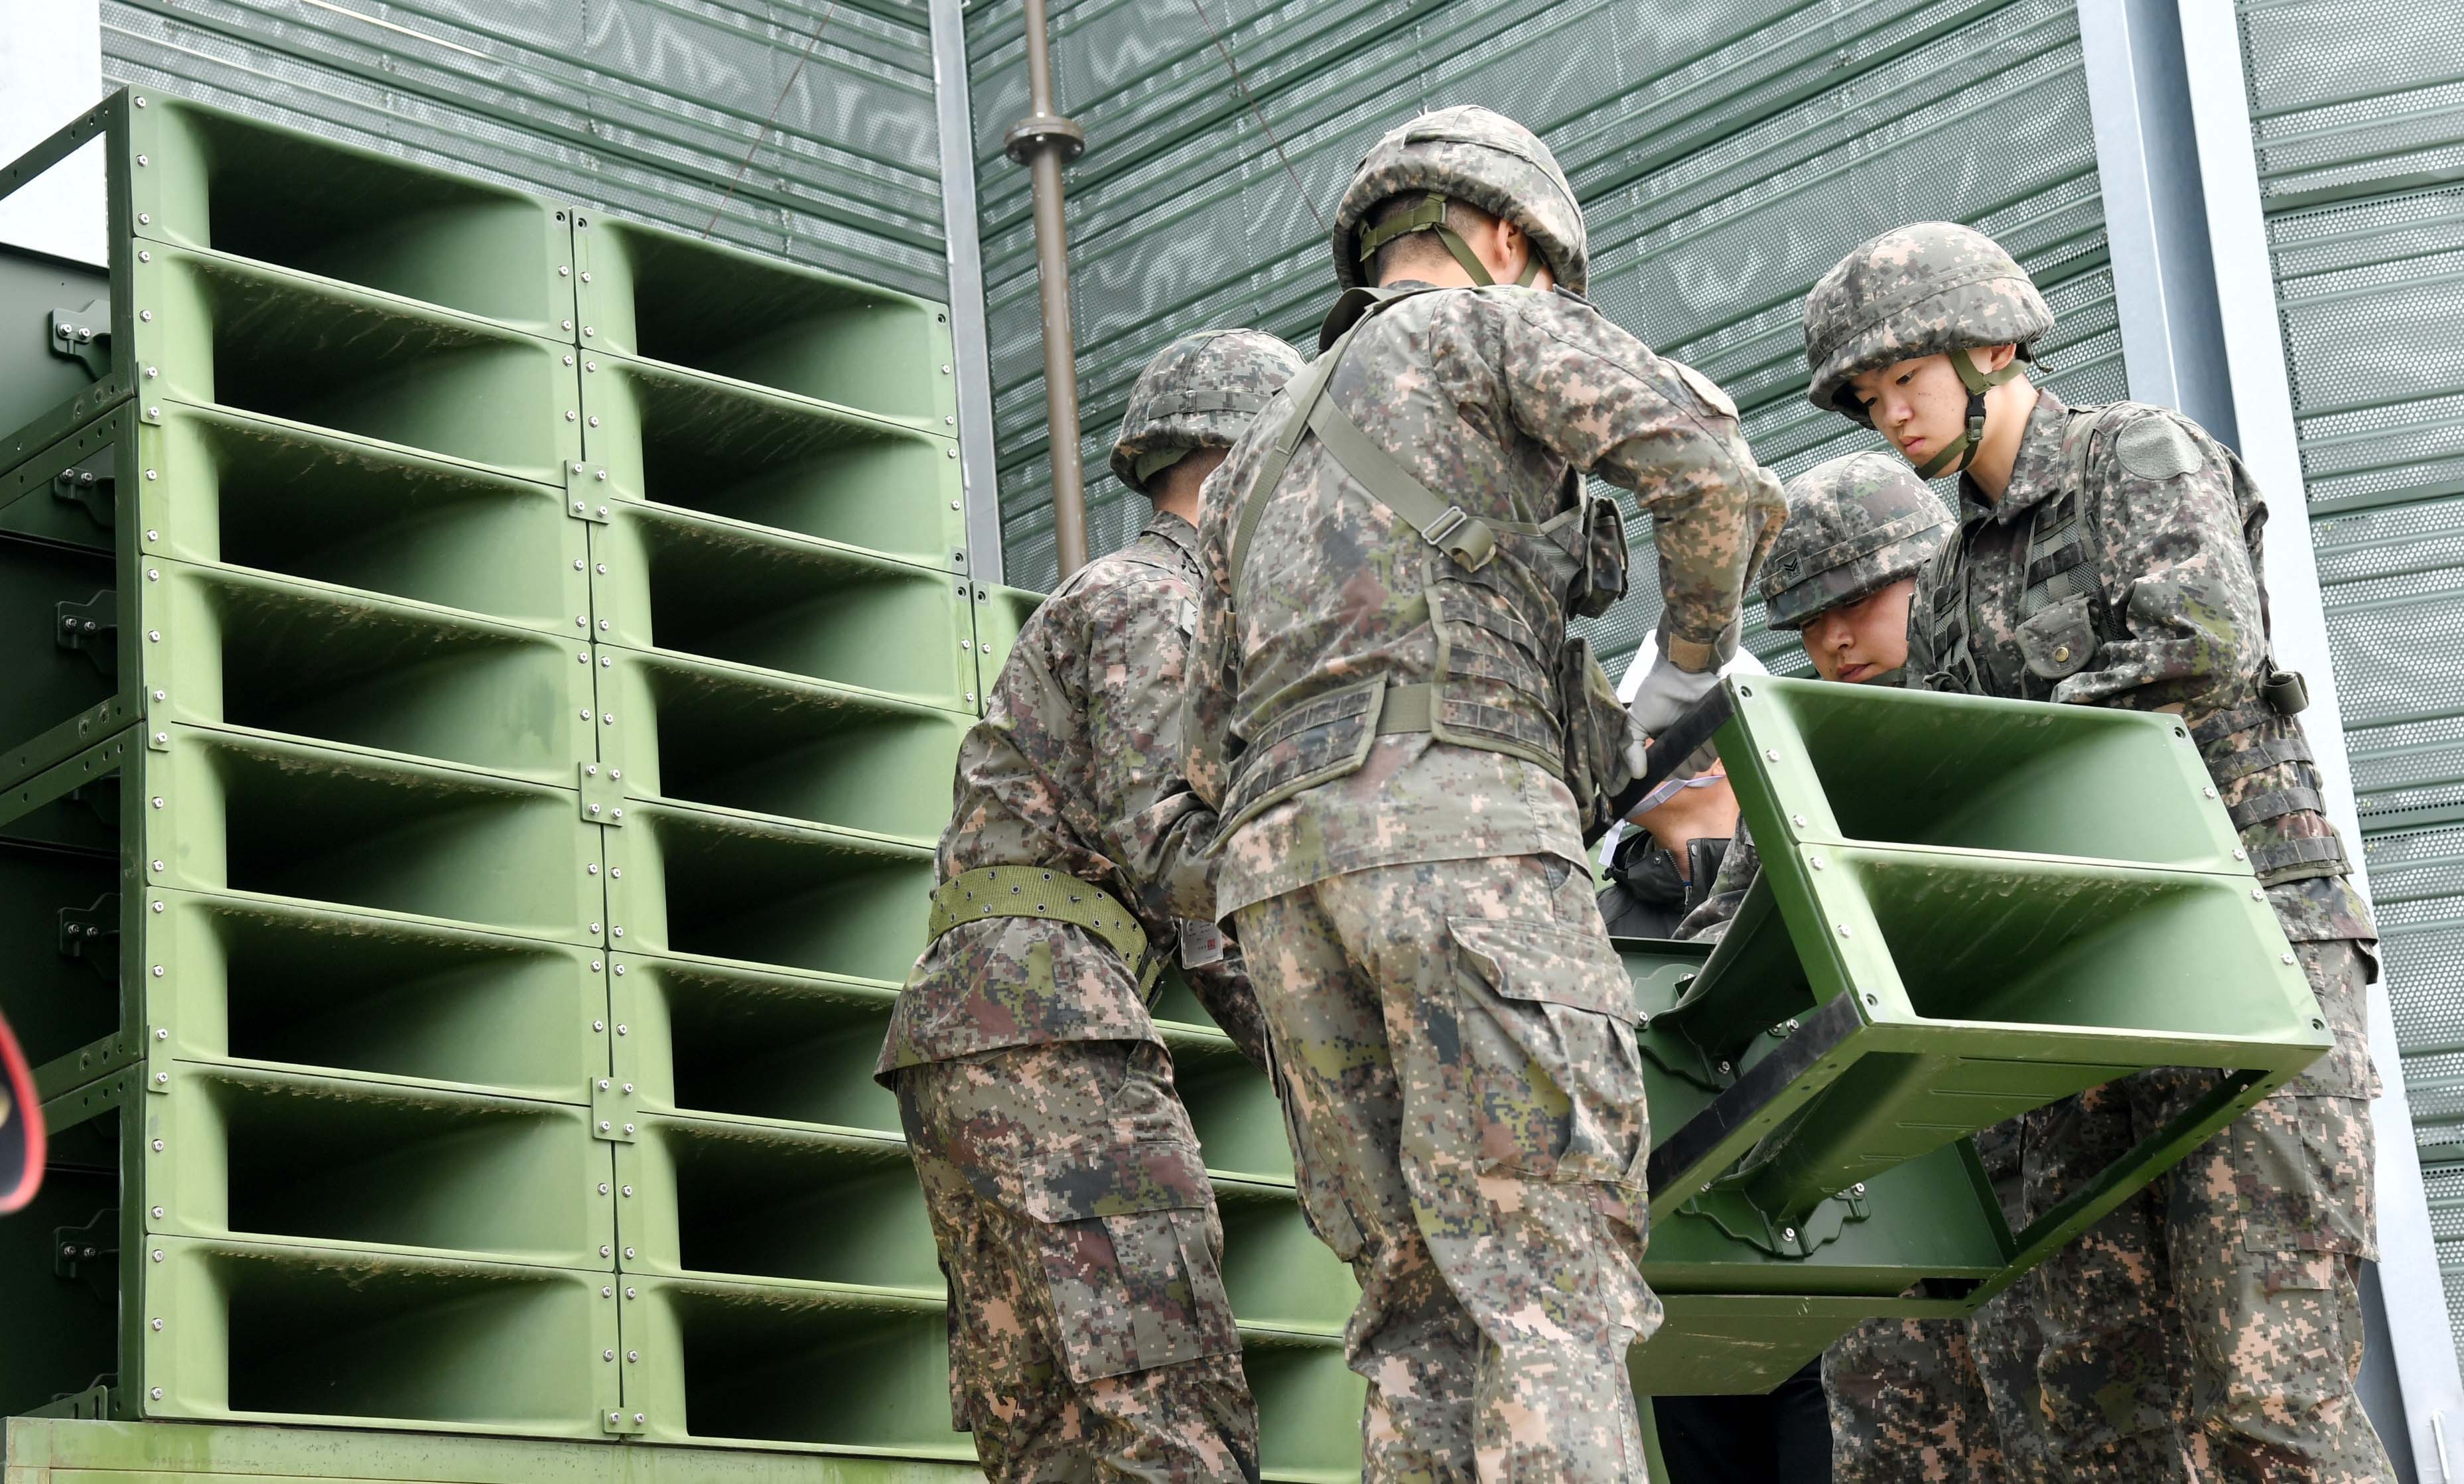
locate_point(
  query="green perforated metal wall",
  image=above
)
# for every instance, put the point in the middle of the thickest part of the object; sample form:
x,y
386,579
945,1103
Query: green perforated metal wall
x,y
2357,110
1726,157
641,107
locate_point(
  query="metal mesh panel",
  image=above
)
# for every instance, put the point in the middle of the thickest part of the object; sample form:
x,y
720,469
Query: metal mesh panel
x,y
2369,296
638,107
1726,156
2418,879
2352,97
2444,1184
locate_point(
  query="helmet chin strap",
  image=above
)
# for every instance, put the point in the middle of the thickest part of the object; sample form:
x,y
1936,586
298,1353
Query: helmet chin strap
x,y
1955,458
1430,215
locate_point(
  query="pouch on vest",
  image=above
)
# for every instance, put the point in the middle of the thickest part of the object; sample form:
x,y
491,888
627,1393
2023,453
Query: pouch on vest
x,y
2057,643
1600,566
1596,728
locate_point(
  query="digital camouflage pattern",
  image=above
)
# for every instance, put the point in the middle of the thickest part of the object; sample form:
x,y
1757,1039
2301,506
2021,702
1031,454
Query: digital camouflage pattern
x,y
1953,1399
1925,289
1855,524
1071,1210
1455,1044
2233,1283
1488,397
1076,765
1482,158
1198,392
1090,1333
2205,1285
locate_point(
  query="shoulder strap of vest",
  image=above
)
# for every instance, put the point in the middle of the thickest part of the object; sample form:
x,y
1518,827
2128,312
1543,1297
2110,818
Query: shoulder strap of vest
x,y
1470,539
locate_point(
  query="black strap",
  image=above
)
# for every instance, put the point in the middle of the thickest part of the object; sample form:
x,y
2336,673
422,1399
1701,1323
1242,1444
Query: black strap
x,y
1668,752
2272,753
2259,808
2285,855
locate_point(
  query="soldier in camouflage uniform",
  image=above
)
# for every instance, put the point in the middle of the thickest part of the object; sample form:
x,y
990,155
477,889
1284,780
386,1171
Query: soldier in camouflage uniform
x,y
1383,696
2212,1328
1089,1334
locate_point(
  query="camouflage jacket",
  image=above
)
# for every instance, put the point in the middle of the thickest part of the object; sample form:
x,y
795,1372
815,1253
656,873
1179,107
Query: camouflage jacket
x,y
1076,765
1739,864
2175,617
1488,396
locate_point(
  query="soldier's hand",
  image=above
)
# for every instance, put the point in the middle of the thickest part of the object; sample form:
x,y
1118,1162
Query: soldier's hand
x,y
1667,693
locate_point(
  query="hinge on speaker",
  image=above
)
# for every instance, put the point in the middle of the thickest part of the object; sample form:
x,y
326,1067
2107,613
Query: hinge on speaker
x,y
83,335
85,487
93,1242
92,628
93,934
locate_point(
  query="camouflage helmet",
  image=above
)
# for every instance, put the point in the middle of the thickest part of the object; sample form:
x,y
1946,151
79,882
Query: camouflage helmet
x,y
1476,156
1198,392
1854,526
1927,289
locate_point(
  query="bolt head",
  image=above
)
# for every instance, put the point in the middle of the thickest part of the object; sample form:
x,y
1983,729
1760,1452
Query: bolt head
x,y
158,1325
157,864
1788,1234
598,1025
1772,753
1843,929
2289,958
157,1215
2208,793
1859,1189
161,1034
156,1393
158,1145
607,1354
158,970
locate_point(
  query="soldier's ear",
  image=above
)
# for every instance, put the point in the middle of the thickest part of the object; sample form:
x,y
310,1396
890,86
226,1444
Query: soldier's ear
x,y
1993,358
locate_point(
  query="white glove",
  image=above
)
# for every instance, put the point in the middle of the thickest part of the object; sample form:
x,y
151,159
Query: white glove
x,y
1668,692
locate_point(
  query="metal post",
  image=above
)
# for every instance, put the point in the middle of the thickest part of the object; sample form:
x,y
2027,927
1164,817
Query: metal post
x,y
2423,1348
1043,142
969,341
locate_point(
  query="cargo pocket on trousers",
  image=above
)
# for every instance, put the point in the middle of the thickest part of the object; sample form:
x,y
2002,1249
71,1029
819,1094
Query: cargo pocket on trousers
x,y
1548,1024
1136,1292
1130,1259
2302,1167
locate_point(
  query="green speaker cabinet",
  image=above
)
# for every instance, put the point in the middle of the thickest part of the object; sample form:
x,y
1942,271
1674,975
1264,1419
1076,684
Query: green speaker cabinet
x,y
1968,909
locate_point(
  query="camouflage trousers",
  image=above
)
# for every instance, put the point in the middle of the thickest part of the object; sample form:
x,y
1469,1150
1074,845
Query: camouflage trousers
x,y
1454,1045
2211,1329
1947,1400
1944,1398
1089,1334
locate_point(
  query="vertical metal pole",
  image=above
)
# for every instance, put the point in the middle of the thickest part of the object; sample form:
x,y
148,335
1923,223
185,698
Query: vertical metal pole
x,y
1043,142
969,341
2245,292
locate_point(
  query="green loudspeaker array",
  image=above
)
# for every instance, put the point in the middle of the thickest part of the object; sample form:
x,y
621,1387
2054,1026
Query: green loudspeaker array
x,y
1968,909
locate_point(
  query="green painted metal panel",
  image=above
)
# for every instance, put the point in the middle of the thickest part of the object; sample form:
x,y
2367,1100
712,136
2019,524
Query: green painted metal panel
x,y
643,108
1924,958
1725,159
2358,115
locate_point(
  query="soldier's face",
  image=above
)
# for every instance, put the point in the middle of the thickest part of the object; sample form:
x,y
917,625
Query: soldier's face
x,y
1920,405
1857,642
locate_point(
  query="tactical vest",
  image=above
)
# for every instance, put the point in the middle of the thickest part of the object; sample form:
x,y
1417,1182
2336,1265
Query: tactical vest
x,y
2064,622
1508,677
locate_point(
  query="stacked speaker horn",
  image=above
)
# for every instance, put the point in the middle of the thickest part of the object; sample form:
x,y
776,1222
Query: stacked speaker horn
x,y
485,680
